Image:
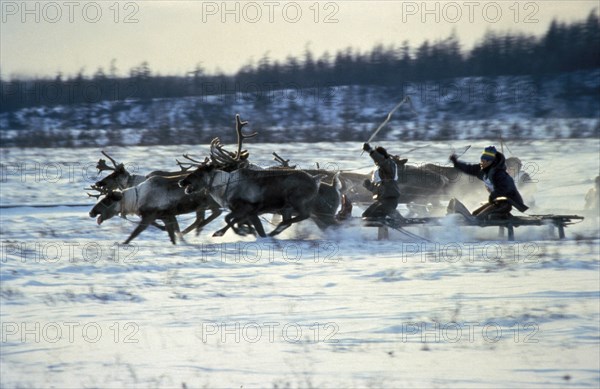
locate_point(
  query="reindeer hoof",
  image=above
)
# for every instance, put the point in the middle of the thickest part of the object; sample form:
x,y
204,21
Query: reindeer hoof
x,y
218,233
243,230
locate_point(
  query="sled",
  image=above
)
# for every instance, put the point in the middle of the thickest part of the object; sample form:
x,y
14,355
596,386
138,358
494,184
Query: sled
x,y
509,223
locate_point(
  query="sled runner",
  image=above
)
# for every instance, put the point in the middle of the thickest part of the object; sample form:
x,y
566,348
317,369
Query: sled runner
x,y
509,223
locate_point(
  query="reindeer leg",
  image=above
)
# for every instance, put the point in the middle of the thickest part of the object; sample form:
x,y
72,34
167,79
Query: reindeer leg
x,y
229,219
286,216
172,226
215,213
245,219
144,223
198,224
201,220
155,224
258,225
243,227
171,234
280,227
286,223
322,221
177,230
238,215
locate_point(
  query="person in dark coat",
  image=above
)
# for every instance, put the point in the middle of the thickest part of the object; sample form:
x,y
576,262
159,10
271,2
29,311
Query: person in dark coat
x,y
500,185
383,184
523,181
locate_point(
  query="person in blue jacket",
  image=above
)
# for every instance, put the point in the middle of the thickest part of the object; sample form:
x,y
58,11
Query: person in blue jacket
x,y
500,185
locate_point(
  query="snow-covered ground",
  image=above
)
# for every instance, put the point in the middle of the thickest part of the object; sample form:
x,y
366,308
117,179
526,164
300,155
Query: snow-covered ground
x,y
309,309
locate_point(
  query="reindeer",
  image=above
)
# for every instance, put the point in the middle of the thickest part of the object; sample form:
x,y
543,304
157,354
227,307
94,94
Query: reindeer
x,y
121,179
330,195
458,183
157,198
324,209
414,182
249,193
328,198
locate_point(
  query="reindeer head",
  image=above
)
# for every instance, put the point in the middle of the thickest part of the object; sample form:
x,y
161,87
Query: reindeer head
x,y
115,180
198,179
107,207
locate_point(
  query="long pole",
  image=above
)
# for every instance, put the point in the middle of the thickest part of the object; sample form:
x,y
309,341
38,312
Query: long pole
x,y
389,116
463,152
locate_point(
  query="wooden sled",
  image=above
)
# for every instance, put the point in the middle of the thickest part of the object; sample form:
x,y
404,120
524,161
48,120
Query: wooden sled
x,y
508,223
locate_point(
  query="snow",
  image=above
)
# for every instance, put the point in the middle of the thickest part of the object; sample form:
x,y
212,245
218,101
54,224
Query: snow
x,y
308,309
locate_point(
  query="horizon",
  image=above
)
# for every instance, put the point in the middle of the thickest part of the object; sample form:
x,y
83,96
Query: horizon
x,y
44,39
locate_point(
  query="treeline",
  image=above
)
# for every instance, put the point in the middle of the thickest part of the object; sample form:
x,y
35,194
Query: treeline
x,y
563,48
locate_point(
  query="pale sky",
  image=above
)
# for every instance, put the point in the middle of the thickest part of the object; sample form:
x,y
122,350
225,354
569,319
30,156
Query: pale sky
x,y
41,38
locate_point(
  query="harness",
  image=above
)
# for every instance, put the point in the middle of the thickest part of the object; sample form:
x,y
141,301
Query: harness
x,y
211,181
211,186
130,181
135,206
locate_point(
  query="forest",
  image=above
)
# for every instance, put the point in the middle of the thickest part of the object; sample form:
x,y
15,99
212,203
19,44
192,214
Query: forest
x,y
563,48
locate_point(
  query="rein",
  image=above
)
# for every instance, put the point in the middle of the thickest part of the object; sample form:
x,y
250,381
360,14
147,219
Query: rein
x,y
211,186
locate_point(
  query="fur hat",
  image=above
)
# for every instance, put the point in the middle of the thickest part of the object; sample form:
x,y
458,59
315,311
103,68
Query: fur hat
x,y
382,151
489,153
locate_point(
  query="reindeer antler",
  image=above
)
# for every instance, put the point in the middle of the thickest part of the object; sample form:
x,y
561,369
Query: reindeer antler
x,y
187,156
102,191
219,156
102,166
283,162
240,136
185,166
223,158
111,160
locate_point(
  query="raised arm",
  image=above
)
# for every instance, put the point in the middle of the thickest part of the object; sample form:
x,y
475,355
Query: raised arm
x,y
472,169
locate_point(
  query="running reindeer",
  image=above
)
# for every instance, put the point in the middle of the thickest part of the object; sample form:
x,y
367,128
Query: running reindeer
x,y
157,198
249,191
121,179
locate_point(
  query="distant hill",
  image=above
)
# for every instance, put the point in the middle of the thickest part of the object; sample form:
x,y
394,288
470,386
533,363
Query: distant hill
x,y
560,105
